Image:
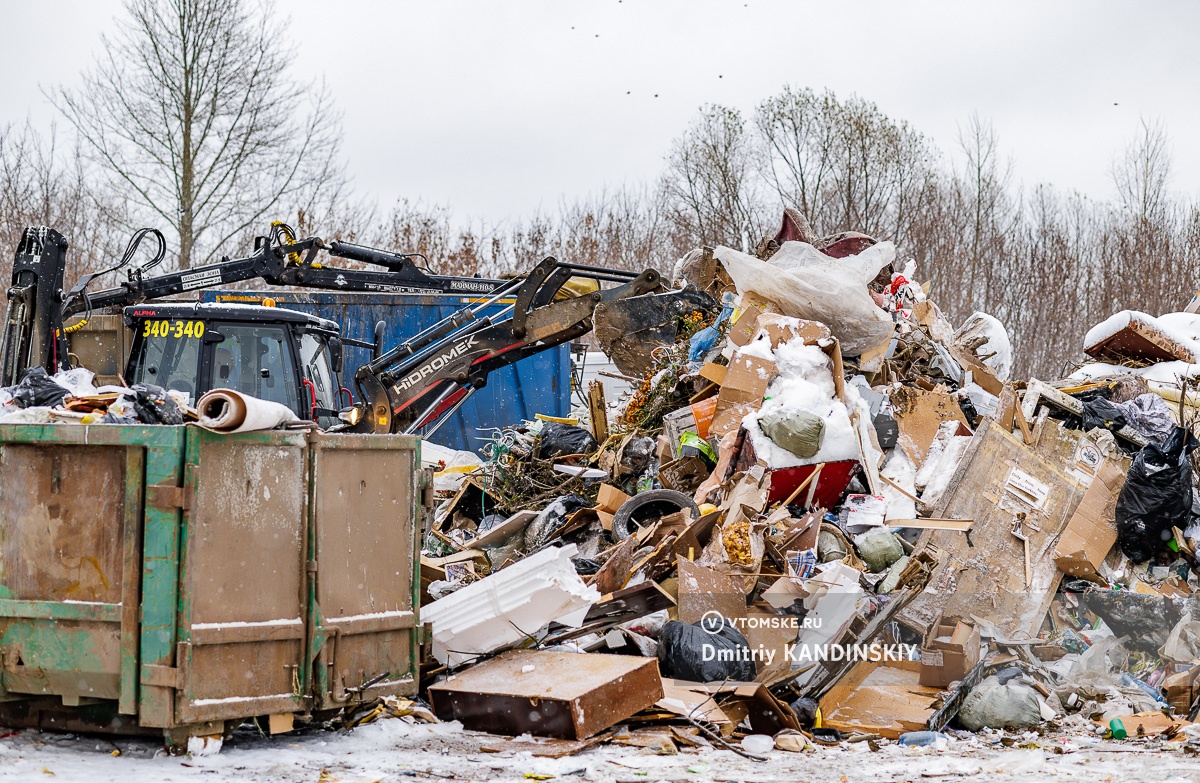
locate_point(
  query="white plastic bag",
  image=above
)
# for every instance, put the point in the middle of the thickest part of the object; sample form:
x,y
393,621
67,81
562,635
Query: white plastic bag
x,y
805,283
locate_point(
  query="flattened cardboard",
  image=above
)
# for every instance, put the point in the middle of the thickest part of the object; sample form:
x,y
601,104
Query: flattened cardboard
x,y
714,372
880,698
742,392
746,380
703,590
1091,531
918,414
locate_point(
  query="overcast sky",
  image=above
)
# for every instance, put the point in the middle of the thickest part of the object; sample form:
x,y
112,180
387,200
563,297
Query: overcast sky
x,y
498,109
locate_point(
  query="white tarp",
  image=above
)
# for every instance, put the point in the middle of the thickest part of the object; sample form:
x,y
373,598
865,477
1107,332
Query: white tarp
x,y
805,283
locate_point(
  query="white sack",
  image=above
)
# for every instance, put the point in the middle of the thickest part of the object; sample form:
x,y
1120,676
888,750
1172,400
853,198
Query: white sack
x,y
805,283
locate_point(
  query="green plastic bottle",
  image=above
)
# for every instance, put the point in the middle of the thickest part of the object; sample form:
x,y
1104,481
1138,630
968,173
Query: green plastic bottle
x,y
1117,728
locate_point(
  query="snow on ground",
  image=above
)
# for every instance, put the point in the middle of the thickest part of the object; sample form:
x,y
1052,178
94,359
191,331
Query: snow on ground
x,y
393,750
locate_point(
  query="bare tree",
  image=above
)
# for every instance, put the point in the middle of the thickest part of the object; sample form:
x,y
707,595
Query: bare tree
x,y
1141,173
42,184
192,115
798,129
710,183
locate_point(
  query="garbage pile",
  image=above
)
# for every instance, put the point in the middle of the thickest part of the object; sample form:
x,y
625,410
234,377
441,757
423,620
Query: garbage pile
x,y
71,397
825,514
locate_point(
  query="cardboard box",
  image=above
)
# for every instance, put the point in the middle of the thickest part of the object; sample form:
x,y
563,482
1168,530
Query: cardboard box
x,y
1180,689
780,329
951,649
752,306
1091,531
919,414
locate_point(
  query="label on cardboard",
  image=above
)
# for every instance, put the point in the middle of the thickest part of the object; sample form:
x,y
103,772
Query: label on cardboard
x,y
1026,488
932,658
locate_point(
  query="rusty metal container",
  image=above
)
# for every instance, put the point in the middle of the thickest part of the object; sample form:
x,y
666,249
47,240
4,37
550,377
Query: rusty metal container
x,y
548,694
174,580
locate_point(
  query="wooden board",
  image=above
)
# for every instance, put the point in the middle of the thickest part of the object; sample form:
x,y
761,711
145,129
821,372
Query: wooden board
x,y
987,580
918,415
961,525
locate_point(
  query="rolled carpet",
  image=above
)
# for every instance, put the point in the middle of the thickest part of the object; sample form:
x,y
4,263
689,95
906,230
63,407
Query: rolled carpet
x,y
226,410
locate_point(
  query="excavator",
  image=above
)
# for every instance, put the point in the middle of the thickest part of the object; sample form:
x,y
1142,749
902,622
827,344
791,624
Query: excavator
x,y
296,358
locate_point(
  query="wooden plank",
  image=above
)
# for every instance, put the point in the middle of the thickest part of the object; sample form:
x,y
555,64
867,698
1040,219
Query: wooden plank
x,y
1023,424
598,411
961,525
991,485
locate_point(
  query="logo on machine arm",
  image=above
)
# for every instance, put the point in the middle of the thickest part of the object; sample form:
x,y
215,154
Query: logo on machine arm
x,y
481,287
437,363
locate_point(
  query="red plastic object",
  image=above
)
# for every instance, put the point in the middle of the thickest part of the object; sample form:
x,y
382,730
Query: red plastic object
x,y
832,482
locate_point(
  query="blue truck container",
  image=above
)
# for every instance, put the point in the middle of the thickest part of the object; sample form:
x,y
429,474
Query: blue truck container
x,y
538,384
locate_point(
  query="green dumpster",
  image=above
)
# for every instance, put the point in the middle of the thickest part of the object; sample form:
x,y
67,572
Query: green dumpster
x,y
178,581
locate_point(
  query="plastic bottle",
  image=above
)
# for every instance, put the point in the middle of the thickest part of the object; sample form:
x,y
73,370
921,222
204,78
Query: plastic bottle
x,y
919,739
1117,728
1129,680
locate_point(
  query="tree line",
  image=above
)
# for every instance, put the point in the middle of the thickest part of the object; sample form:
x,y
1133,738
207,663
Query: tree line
x,y
191,120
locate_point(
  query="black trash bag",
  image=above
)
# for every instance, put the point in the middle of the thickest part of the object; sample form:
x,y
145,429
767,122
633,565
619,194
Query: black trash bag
x,y
1103,414
585,566
805,709
559,439
153,406
636,456
550,519
710,650
37,388
1157,495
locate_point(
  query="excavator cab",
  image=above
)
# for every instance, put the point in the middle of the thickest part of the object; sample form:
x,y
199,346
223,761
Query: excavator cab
x,y
272,353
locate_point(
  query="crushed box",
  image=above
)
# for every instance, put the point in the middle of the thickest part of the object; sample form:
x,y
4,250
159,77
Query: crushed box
x,y
951,649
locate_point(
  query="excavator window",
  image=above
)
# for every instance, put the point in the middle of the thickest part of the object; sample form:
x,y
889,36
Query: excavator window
x,y
314,363
169,359
256,359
